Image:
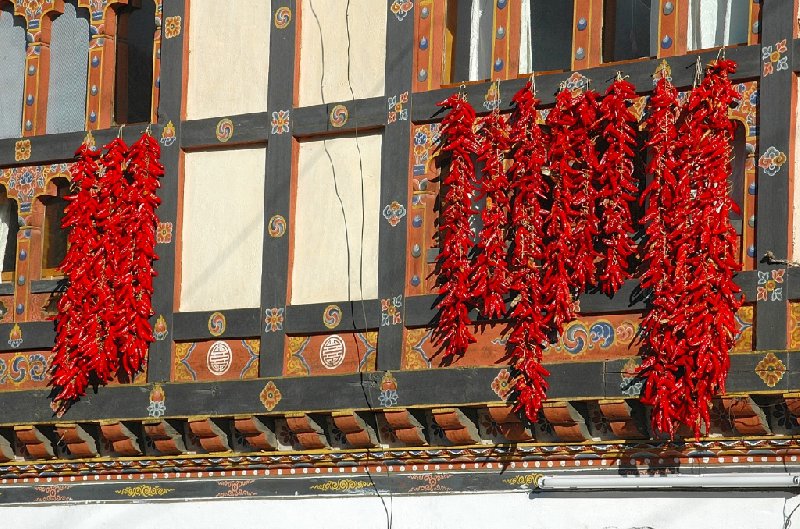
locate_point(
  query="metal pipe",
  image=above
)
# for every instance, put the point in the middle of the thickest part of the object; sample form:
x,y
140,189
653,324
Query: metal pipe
x,y
682,481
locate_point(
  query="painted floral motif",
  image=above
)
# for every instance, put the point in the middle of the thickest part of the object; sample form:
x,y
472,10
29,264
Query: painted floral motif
x,y
397,110
332,316
770,370
415,356
338,116
33,11
400,8
280,122
160,328
172,27
630,384
52,493
296,364
577,83
342,485
388,396
158,405
774,58
432,483
224,130
663,70
747,109
390,311
794,318
276,226
425,138
502,384
144,491
270,396
492,99
15,337
22,150
25,182
216,324
394,212
236,488
784,417
168,134
164,233
283,16
768,289
274,319
772,160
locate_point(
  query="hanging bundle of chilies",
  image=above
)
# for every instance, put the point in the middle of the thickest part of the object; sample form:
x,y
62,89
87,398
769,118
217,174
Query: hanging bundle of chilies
x,y
691,328
102,327
558,220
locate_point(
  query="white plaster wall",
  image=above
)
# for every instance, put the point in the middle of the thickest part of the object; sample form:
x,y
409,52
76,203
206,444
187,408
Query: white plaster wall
x,y
222,229
623,510
367,22
319,271
228,57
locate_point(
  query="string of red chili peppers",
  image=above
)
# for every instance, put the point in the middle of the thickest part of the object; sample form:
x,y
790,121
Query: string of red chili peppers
x,y
453,331
529,321
490,278
108,265
572,225
696,329
616,185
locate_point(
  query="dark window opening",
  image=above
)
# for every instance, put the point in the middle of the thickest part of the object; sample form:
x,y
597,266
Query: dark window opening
x,y
630,30
9,227
133,93
54,238
551,26
469,40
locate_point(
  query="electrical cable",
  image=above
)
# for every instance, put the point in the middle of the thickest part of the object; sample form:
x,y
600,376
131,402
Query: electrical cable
x,y
386,508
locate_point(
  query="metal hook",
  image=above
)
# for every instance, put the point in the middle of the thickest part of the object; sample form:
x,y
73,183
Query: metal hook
x,y
149,129
496,108
462,91
533,83
119,133
721,53
697,72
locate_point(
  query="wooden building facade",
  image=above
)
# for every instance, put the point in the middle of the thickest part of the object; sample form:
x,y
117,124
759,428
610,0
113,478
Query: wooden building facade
x,y
295,294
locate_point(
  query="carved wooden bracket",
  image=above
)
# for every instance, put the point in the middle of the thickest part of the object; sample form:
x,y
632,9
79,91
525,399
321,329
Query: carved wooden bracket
x,y
405,427
79,443
211,437
121,439
359,434
509,424
458,428
37,445
166,439
617,413
309,434
568,423
746,416
256,433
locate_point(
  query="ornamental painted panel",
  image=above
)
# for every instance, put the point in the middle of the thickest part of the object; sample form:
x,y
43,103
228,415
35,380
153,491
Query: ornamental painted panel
x,y
330,354
215,360
69,52
588,339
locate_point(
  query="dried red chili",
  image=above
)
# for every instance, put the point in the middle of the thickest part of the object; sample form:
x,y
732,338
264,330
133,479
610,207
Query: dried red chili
x,y
453,329
528,320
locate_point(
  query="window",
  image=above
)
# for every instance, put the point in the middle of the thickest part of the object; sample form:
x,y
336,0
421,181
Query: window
x,y
630,29
469,40
69,58
54,238
12,72
546,35
715,23
133,94
9,226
